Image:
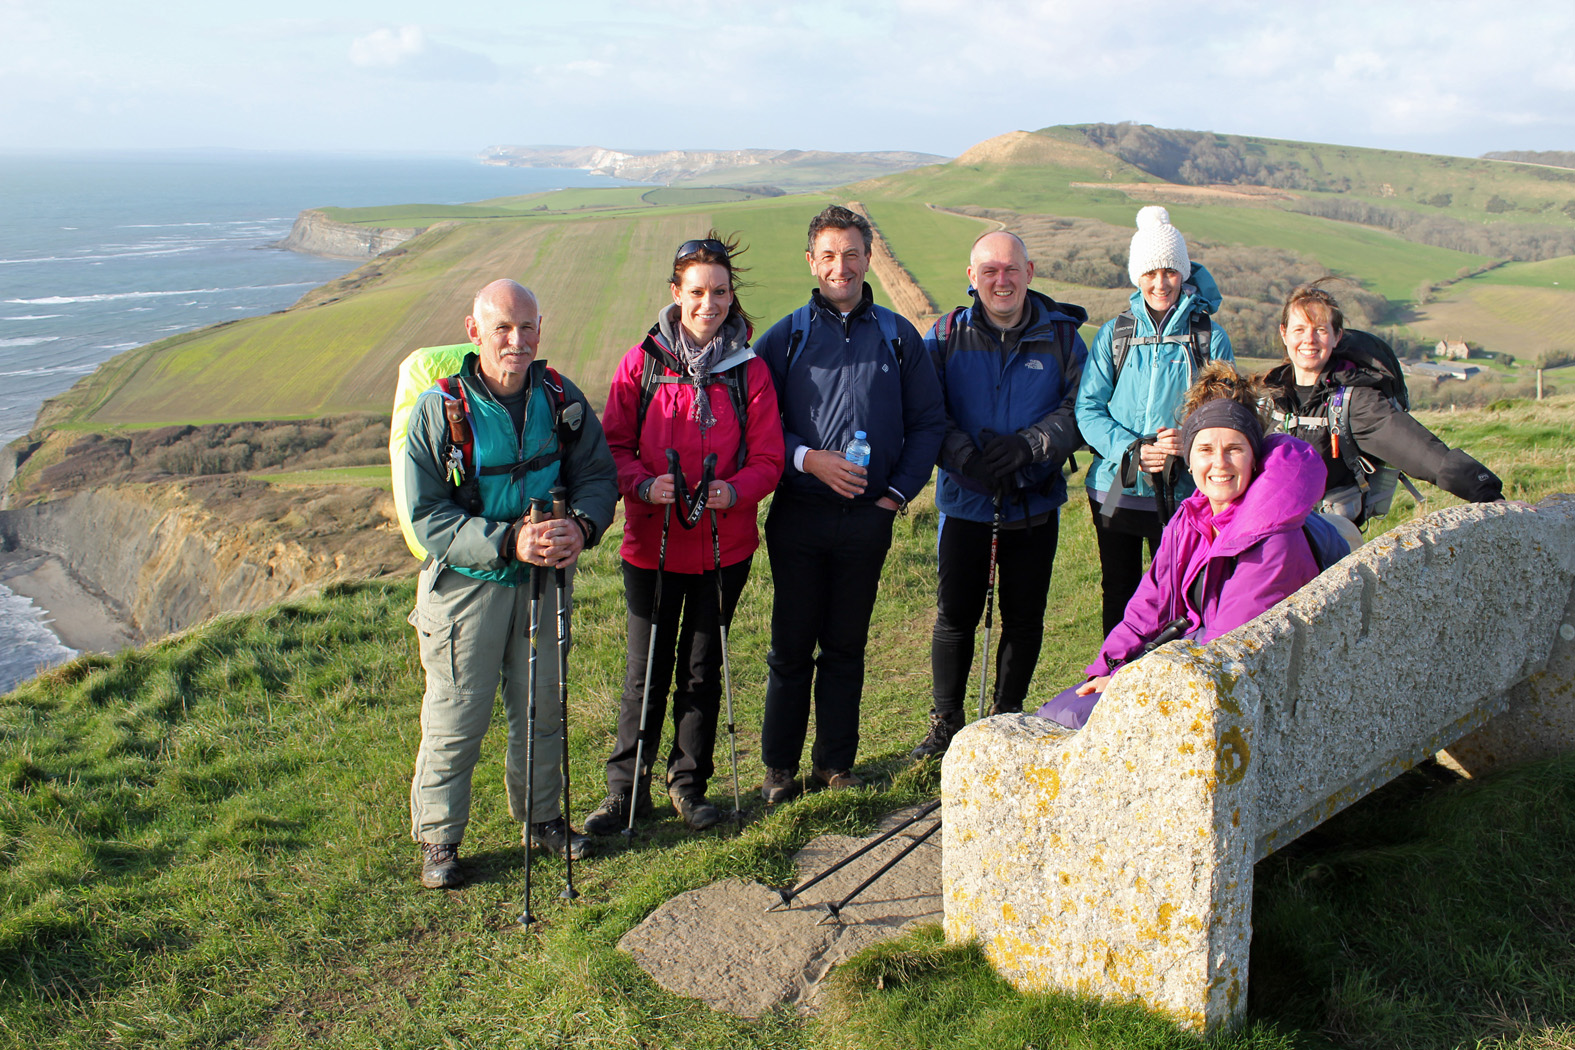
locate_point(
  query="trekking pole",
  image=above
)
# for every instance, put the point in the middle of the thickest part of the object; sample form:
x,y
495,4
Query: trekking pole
x,y
989,602
836,909
560,511
727,671
650,649
788,895
538,512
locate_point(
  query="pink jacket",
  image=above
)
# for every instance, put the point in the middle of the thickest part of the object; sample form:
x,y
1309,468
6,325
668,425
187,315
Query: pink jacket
x,y
1259,556
667,425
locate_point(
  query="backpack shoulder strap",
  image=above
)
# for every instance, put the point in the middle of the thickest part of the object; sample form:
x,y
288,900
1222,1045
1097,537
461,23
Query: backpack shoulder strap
x,y
568,417
887,319
1342,442
1202,330
1120,343
799,323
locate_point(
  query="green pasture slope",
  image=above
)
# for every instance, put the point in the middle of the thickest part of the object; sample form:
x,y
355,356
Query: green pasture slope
x,y
598,258
204,843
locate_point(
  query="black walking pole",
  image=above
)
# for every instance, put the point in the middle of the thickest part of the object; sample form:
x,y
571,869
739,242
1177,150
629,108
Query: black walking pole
x,y
539,509
788,895
989,603
836,909
560,511
650,649
721,626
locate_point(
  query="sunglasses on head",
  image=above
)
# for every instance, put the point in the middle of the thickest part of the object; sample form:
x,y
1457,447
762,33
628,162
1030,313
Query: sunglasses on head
x,y
707,245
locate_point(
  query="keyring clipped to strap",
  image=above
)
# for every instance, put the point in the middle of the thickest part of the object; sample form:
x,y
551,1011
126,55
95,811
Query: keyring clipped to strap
x,y
691,505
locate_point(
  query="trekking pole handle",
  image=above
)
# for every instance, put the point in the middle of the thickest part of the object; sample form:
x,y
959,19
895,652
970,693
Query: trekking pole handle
x,y
560,501
540,510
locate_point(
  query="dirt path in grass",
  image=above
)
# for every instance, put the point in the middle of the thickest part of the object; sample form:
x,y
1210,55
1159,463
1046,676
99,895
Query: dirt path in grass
x,y
907,298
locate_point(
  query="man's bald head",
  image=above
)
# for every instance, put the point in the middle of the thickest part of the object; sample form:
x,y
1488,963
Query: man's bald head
x,y
505,323
996,241
503,292
999,270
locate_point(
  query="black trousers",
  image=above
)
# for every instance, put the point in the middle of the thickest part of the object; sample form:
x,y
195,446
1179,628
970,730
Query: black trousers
x,y
826,560
687,641
1023,563
1121,556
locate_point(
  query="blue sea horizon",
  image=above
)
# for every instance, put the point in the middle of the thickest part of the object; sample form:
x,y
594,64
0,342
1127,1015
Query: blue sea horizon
x,y
104,251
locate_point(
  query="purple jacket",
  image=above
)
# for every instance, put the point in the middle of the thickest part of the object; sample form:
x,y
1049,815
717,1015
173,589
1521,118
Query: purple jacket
x,y
1259,556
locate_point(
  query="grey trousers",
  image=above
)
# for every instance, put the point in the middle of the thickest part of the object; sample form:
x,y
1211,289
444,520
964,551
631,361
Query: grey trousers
x,y
473,635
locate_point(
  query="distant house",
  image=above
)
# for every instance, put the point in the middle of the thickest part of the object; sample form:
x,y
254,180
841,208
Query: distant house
x,y
1453,350
1439,372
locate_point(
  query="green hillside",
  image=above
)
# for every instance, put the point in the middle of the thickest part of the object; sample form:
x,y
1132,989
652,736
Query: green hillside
x,y
598,258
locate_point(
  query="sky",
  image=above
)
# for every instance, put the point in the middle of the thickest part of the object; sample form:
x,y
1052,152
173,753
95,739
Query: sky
x,y
935,76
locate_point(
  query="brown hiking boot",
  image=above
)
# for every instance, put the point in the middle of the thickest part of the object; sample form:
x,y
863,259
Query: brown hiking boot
x,y
693,807
1006,707
613,814
939,738
440,866
838,779
555,836
780,785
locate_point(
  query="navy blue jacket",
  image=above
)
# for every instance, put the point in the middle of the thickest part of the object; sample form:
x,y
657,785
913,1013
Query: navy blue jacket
x,y
1032,392
845,378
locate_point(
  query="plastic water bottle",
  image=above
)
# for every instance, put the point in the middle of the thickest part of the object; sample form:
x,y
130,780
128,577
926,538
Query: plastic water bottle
x,y
858,450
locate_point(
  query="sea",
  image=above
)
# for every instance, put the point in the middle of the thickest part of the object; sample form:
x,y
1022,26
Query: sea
x,y
101,252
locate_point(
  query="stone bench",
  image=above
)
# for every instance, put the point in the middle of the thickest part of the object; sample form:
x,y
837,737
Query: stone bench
x,y
1118,861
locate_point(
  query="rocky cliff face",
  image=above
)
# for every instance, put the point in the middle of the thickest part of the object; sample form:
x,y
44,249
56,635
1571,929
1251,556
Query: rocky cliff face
x,y
171,555
317,234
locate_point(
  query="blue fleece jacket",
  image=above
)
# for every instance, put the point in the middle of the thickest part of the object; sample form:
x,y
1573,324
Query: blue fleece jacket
x,y
1029,392
845,378
1153,381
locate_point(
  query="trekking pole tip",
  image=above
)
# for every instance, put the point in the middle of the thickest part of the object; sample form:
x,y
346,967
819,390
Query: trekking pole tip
x,y
569,893
526,919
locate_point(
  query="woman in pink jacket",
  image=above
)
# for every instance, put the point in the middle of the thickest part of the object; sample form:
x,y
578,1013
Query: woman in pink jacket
x,y
1234,548
692,387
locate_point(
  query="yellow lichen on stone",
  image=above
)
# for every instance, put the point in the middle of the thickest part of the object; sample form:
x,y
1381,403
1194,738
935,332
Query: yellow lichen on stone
x,y
1233,756
1008,912
1045,779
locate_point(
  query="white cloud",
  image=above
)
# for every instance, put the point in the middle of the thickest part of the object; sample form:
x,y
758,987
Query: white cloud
x,y
409,52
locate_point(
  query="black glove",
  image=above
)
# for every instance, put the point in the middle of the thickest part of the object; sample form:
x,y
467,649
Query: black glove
x,y
1006,454
974,468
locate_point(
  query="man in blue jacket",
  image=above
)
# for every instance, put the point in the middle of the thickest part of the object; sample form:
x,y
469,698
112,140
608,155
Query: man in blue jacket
x,y
1009,367
841,364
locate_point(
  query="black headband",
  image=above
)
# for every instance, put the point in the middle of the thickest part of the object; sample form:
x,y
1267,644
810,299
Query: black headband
x,y
1223,412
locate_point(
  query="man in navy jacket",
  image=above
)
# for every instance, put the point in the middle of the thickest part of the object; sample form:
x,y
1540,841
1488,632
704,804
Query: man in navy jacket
x,y
1009,366
840,364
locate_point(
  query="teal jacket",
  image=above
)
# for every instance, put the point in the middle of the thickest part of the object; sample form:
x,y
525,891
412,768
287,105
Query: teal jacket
x,y
474,546
1111,414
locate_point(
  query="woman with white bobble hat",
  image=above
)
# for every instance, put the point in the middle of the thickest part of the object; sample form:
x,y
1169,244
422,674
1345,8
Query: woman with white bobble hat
x,y
1139,368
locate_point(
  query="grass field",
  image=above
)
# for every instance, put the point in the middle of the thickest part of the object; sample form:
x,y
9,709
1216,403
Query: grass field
x,y
1524,321
373,477
204,845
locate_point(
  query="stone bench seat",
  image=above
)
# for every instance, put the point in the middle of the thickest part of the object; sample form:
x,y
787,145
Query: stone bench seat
x,y
1117,860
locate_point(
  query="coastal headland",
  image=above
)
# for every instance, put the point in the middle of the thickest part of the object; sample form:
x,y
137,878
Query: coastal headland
x,y
597,258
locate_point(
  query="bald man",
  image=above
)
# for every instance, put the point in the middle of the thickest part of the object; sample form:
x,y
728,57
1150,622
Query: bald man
x,y
1009,366
472,613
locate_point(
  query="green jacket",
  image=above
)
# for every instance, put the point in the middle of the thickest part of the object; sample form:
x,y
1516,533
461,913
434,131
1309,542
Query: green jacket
x,y
474,545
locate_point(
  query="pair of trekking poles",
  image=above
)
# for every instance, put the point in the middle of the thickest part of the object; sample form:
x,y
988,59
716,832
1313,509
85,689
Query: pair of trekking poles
x,y
545,510
693,506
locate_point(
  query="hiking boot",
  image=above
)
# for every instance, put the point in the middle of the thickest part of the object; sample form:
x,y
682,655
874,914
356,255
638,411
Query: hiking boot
x,y
780,785
939,738
555,835
693,807
612,815
440,866
838,779
1007,707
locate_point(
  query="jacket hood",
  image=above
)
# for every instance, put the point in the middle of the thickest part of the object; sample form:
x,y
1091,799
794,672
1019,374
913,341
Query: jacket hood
x,y
1198,292
1284,490
1048,312
735,339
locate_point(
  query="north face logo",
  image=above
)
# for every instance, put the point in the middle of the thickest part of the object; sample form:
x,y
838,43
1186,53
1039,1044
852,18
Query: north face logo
x,y
1036,366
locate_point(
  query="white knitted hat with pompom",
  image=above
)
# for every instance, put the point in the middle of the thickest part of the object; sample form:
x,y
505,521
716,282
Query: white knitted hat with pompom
x,y
1157,245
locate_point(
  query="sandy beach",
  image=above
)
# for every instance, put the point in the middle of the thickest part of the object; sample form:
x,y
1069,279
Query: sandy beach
x,y
82,619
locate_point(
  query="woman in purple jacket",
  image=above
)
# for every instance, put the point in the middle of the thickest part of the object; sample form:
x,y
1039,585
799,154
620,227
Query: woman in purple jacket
x,y
1234,548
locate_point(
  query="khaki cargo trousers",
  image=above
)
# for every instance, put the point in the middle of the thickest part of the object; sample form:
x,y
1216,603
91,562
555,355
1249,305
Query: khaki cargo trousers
x,y
474,634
